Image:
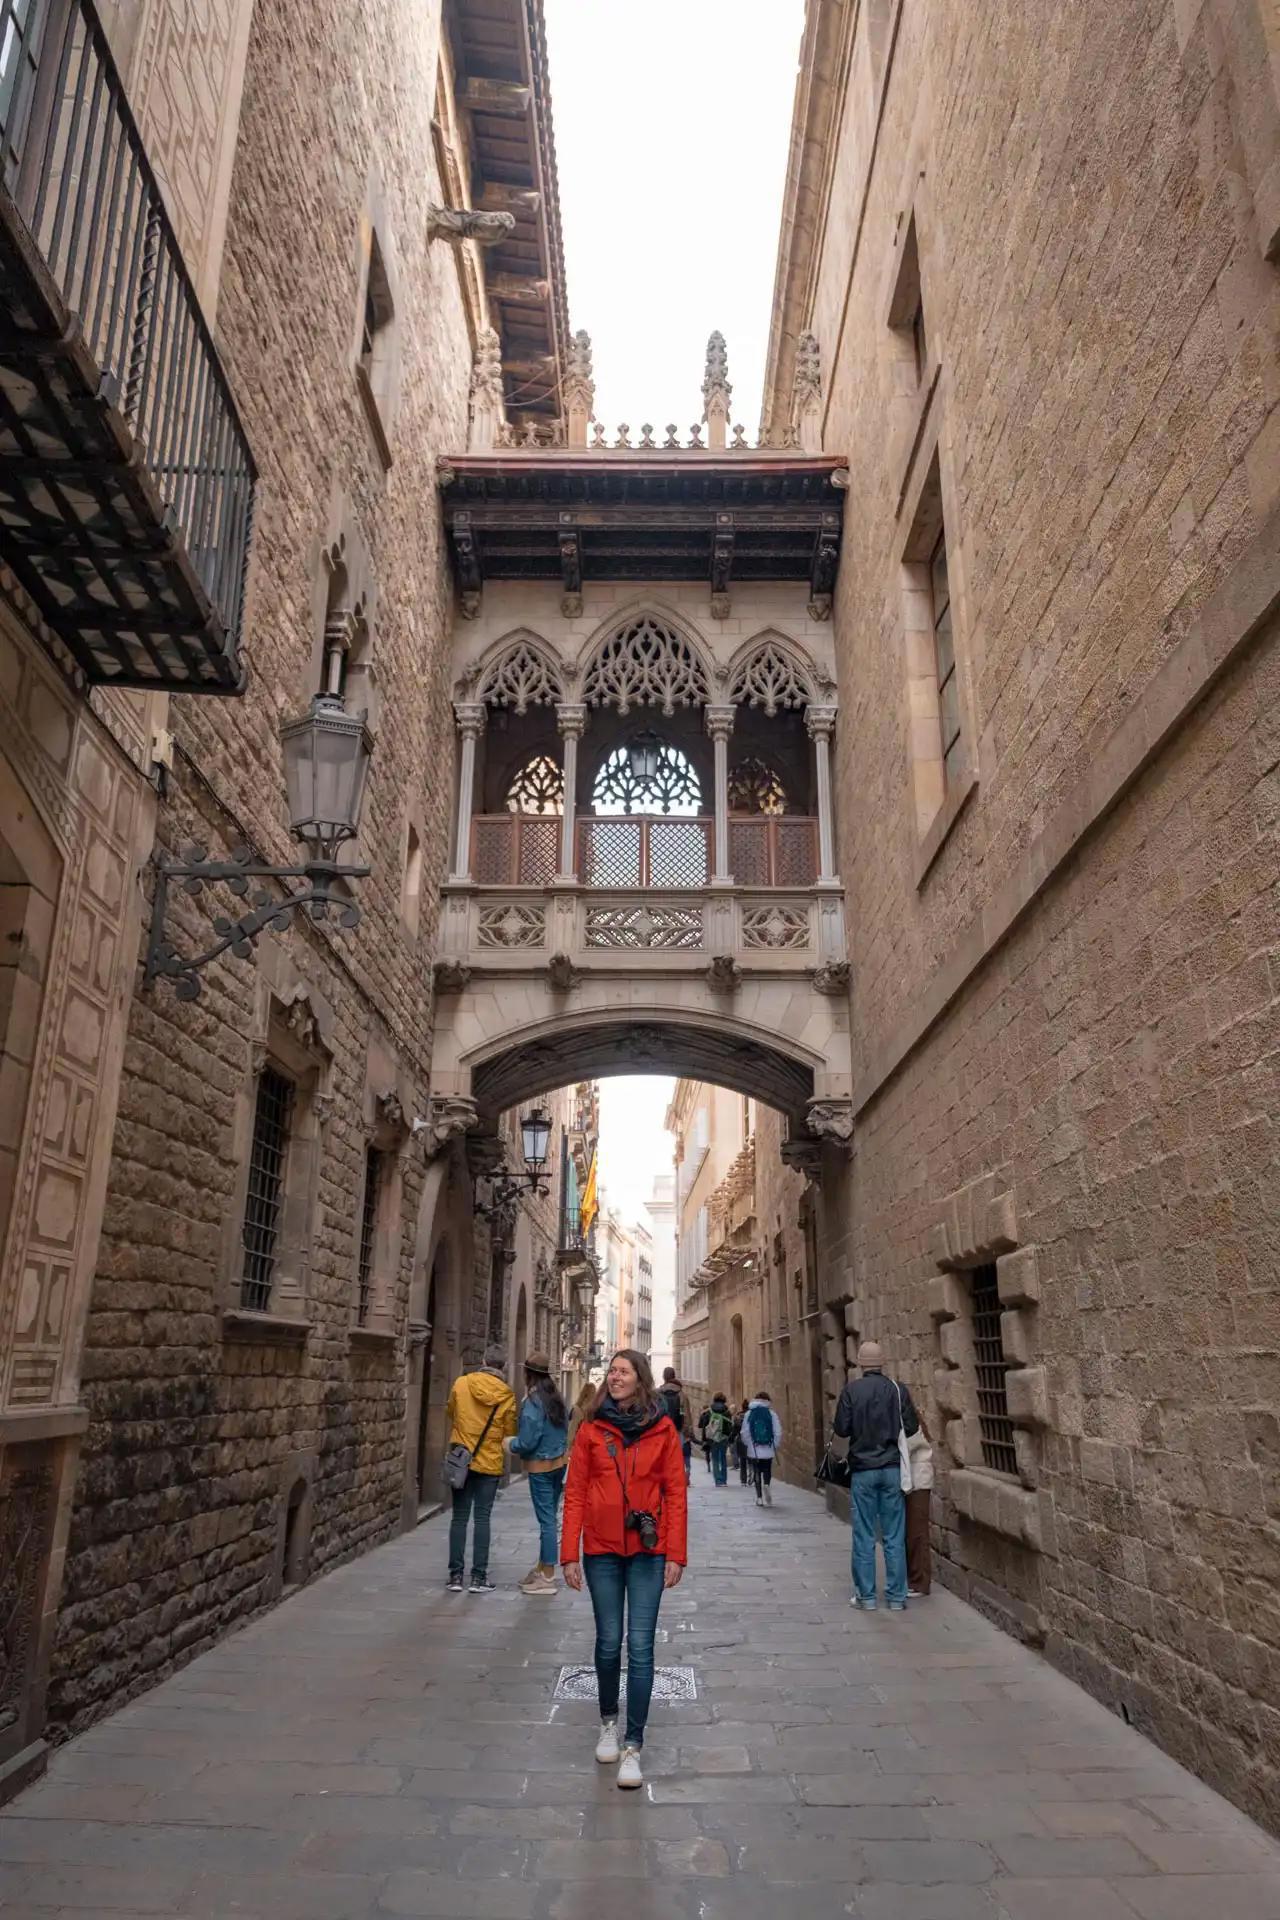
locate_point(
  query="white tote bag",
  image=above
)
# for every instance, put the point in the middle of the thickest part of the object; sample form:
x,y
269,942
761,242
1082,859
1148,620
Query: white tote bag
x,y
904,1451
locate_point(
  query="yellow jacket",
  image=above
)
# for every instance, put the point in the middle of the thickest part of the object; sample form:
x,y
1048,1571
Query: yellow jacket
x,y
473,1397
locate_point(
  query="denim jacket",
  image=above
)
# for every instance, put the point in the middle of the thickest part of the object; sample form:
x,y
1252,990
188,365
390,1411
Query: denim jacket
x,y
537,1442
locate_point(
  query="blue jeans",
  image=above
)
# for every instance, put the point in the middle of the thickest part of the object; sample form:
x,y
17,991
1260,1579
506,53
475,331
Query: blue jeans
x,y
545,1490
636,1578
476,1494
720,1462
877,1502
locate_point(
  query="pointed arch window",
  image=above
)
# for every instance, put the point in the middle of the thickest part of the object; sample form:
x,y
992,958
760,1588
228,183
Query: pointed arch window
x,y
537,788
646,775
754,788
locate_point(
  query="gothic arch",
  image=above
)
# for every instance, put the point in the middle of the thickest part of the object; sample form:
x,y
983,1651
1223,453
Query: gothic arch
x,y
646,656
519,671
771,671
732,1052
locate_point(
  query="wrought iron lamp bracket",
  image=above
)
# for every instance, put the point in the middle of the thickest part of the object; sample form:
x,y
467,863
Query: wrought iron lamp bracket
x,y
322,892
506,1188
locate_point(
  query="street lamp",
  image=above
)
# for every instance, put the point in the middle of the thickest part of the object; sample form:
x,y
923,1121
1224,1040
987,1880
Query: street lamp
x,y
535,1141
644,750
326,764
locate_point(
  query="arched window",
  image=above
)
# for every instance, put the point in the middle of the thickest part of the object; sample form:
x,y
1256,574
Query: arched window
x,y
754,787
537,788
646,775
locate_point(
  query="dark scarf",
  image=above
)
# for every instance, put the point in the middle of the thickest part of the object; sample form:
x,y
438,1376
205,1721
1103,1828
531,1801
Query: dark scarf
x,y
630,1422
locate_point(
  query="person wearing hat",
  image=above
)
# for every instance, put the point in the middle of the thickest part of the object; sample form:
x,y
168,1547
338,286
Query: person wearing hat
x,y
542,1444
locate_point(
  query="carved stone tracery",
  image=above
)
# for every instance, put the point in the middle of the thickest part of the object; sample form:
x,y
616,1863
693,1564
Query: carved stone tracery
x,y
646,663
519,678
769,678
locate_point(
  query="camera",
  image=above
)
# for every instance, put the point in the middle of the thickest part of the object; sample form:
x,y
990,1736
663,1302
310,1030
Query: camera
x,y
647,1527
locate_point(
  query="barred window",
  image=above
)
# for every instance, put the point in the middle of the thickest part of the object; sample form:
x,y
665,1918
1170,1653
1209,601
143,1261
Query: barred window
x,y
944,647
368,1232
991,1366
272,1120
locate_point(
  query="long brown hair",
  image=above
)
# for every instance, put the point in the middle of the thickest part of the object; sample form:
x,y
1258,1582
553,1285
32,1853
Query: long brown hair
x,y
646,1392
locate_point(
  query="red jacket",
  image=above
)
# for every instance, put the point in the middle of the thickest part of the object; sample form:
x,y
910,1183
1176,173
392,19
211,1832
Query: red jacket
x,y
595,1504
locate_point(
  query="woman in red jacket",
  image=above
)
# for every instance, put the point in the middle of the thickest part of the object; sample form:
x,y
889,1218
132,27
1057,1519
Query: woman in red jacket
x,y
624,1524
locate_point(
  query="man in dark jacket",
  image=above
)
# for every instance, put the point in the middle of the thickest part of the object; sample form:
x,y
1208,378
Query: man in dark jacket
x,y
871,1413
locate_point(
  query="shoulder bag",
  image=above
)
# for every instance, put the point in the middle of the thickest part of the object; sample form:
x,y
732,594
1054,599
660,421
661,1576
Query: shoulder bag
x,y
833,1470
904,1451
458,1458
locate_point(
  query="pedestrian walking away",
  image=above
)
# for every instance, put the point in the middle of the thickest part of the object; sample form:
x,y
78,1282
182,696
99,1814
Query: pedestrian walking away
x,y
680,1414
542,1444
624,1531
581,1408
741,1455
482,1416
762,1434
919,1558
720,1437
871,1414
704,1438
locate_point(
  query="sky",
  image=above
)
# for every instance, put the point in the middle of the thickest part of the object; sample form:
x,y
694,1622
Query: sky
x,y
672,121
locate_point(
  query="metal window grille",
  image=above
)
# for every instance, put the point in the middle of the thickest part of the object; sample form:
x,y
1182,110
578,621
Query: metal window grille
x,y
272,1119
945,651
368,1230
991,1365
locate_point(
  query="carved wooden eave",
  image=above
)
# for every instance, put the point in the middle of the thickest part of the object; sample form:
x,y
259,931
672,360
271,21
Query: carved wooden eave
x,y
502,88
820,89
650,516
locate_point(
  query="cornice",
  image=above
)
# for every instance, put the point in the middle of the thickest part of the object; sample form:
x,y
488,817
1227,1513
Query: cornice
x,y
821,85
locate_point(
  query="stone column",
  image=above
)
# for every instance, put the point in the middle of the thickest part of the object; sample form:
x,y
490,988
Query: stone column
x,y
570,719
579,396
470,715
719,721
820,721
716,392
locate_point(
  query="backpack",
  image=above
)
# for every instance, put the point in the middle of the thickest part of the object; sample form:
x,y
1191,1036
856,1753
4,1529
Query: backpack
x,y
675,1412
760,1426
720,1425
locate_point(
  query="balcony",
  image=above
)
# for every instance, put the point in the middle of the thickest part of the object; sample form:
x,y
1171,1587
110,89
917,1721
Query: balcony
x,y
515,849
126,481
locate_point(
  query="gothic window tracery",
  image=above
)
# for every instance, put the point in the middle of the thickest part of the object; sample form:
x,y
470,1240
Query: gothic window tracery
x,y
646,664
667,785
754,788
519,678
537,788
769,678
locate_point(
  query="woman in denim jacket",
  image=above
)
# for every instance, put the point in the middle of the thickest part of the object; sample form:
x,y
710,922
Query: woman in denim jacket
x,y
542,1443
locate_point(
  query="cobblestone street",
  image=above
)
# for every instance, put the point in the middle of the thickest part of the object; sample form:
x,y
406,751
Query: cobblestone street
x,y
378,1747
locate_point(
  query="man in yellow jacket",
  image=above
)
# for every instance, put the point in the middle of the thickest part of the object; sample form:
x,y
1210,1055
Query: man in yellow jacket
x,y
482,1415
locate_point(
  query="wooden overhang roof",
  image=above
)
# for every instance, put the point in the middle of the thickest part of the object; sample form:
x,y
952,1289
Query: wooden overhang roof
x,y
504,94
577,516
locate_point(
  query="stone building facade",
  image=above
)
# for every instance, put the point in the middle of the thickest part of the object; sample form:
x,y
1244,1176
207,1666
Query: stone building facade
x,y
230,1303
1028,271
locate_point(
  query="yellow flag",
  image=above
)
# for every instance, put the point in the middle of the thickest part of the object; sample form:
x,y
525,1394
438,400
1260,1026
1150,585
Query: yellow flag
x,y
590,1204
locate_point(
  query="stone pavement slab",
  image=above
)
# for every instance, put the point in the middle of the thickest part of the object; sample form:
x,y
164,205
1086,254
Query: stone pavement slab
x,y
377,1747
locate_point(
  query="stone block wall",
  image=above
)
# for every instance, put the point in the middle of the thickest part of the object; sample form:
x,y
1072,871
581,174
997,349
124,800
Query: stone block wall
x,y
224,1460
1066,977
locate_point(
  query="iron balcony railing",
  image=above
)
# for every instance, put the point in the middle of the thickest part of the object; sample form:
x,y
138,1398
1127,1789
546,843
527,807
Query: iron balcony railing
x,y
76,173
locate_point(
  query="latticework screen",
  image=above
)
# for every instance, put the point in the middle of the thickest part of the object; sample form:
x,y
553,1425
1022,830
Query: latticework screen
x,y
539,839
611,853
796,856
679,853
749,851
493,848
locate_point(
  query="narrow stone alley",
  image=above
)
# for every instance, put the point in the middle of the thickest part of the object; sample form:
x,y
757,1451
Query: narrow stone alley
x,y
378,1747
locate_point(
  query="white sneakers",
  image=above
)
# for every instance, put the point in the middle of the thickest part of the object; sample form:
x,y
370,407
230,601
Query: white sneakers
x,y
608,1750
